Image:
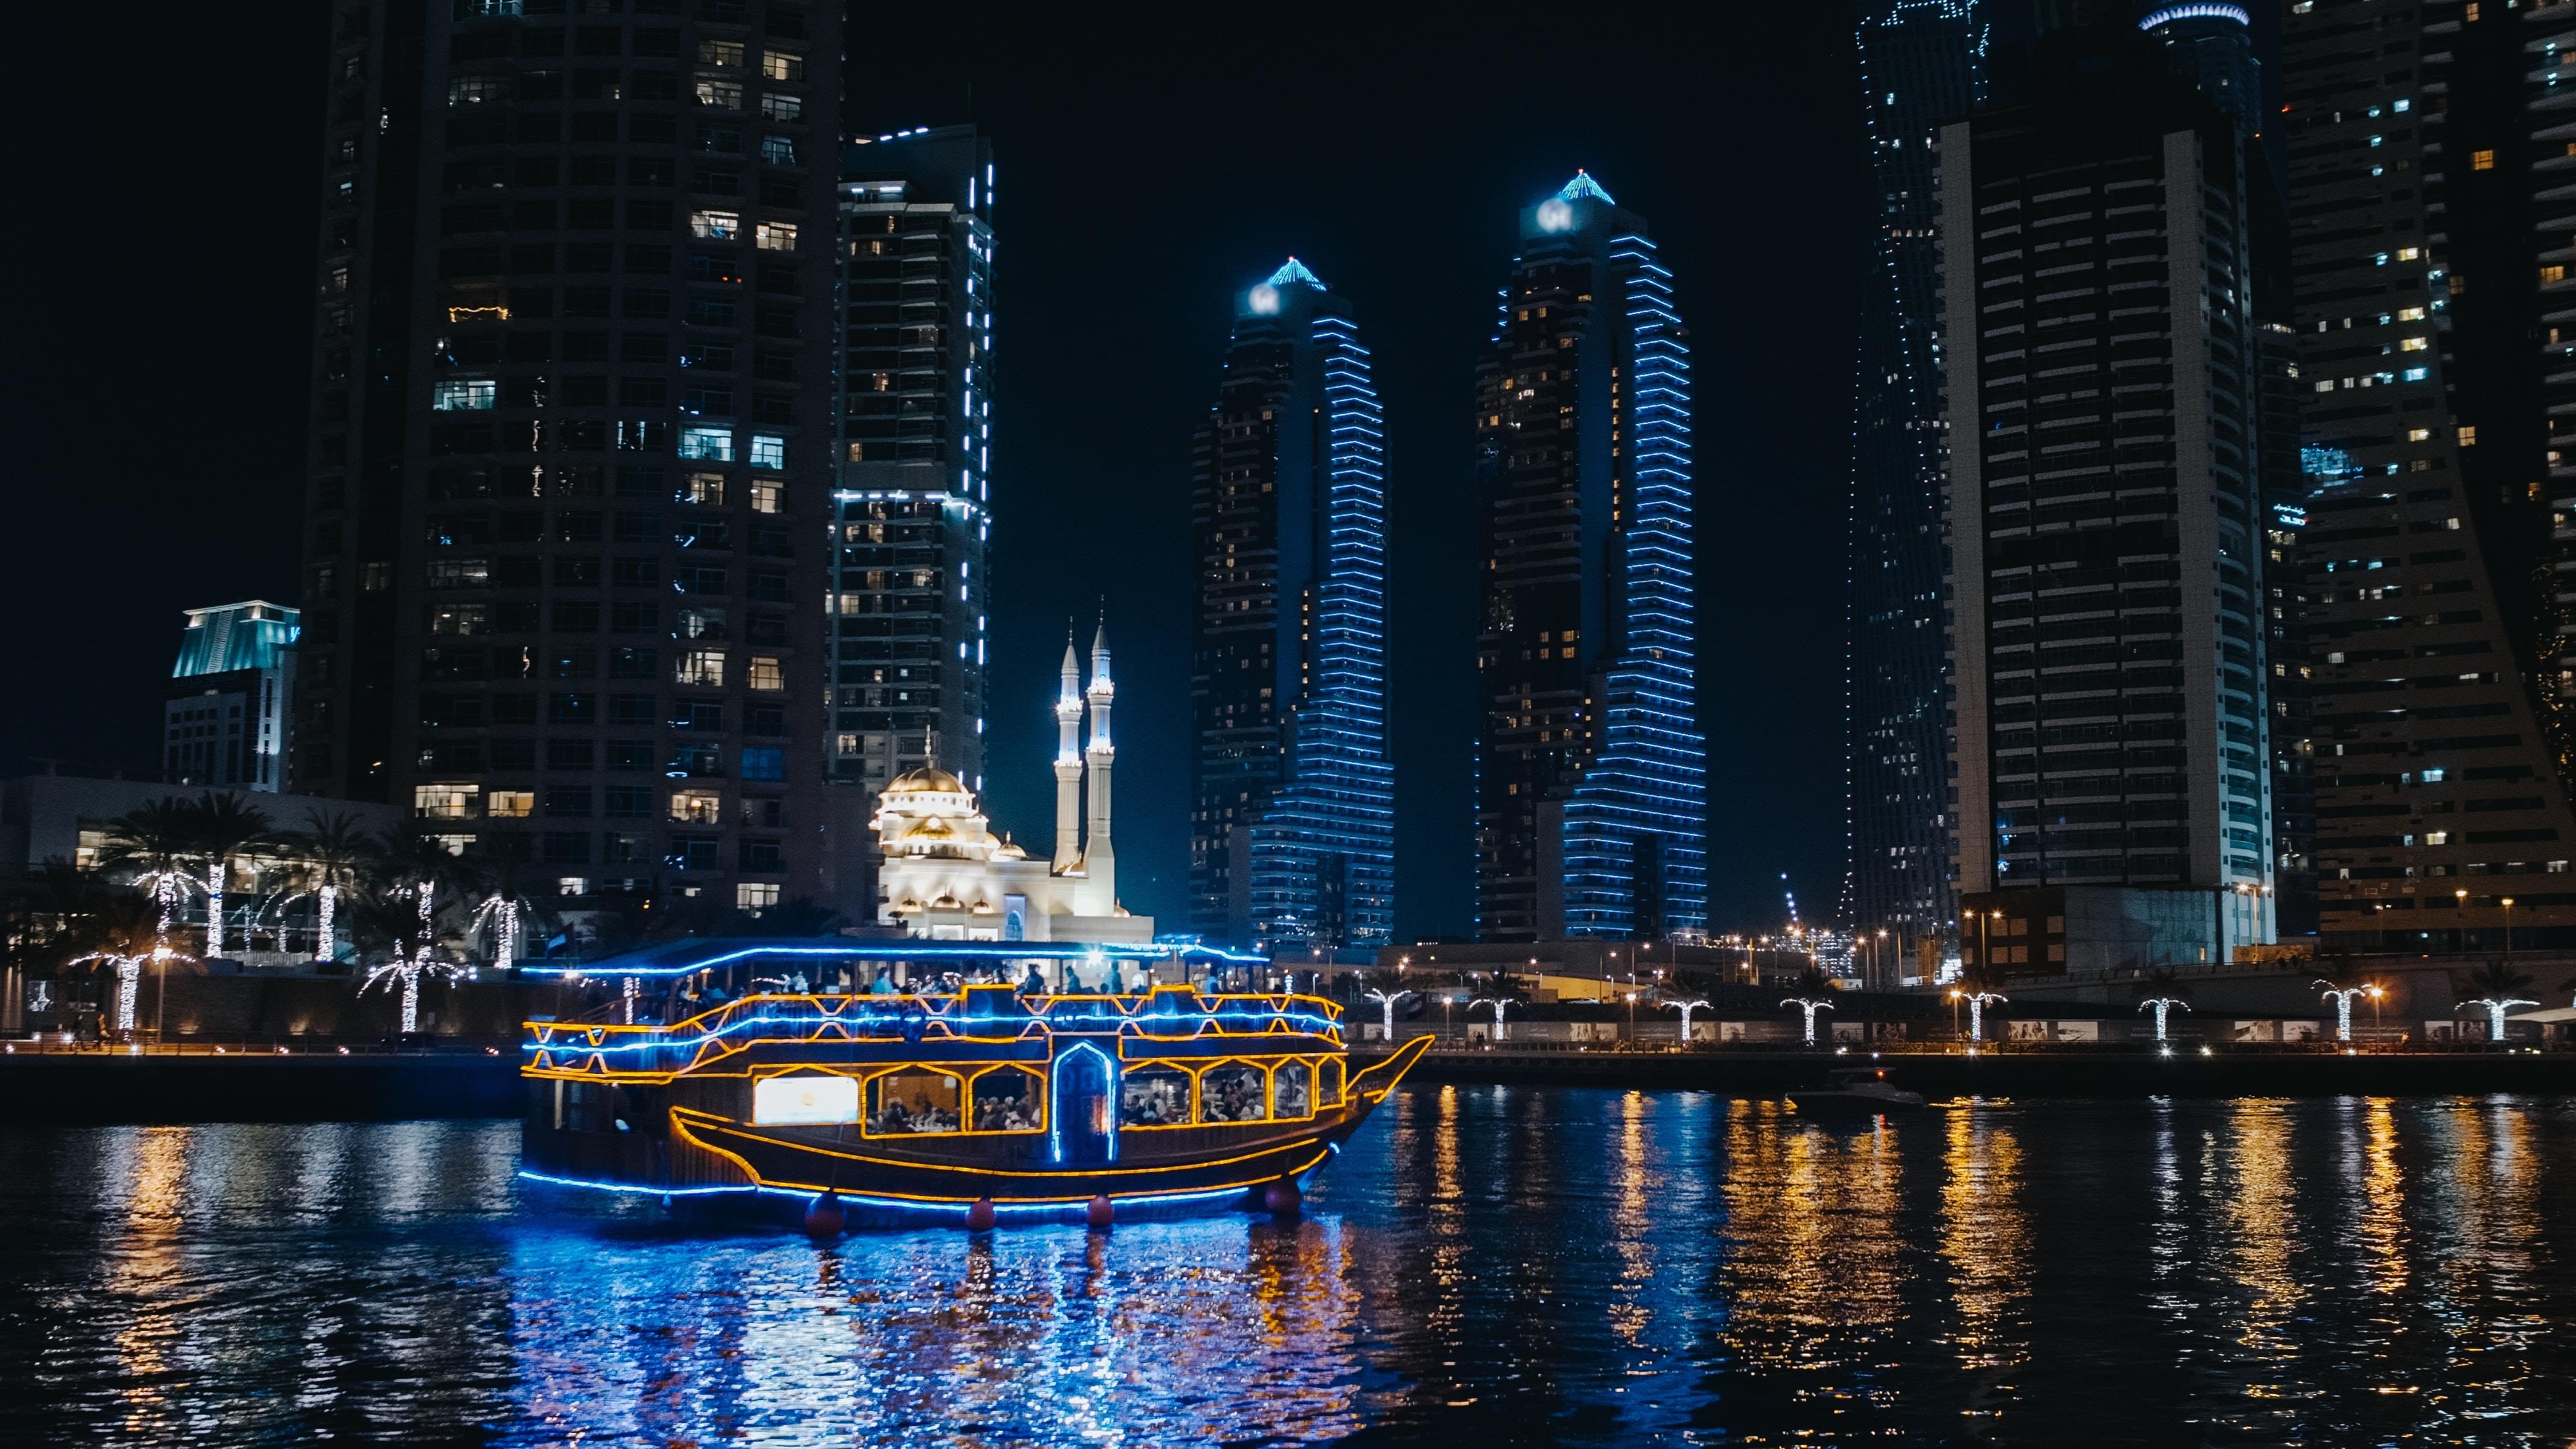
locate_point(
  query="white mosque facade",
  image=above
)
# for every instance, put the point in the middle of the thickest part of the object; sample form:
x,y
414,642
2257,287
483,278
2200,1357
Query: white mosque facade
x,y
944,875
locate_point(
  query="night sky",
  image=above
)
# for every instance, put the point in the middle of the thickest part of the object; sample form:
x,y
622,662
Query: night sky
x,y
1145,174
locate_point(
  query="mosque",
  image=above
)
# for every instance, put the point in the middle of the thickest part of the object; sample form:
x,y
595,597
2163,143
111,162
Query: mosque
x,y
945,876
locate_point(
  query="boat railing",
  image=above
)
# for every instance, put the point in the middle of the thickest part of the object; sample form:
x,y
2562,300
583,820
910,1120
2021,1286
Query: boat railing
x,y
981,1015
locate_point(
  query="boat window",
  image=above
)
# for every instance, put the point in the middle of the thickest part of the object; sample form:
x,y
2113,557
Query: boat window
x,y
1234,1093
1288,1091
1006,1100
1328,1084
913,1101
1153,1097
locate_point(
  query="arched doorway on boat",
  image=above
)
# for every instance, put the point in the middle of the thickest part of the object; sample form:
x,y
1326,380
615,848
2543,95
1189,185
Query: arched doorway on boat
x,y
1085,1110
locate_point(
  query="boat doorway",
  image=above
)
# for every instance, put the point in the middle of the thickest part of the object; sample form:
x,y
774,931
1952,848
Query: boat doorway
x,y
1085,1115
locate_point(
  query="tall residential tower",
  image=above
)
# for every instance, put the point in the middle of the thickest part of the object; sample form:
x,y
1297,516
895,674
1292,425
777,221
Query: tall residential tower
x,y
1922,64
2429,162
1592,801
2105,401
1292,838
568,460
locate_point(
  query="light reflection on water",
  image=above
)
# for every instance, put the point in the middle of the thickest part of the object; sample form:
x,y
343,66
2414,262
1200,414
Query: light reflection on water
x,y
1482,1265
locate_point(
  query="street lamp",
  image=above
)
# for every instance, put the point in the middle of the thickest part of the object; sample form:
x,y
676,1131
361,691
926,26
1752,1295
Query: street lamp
x,y
2508,925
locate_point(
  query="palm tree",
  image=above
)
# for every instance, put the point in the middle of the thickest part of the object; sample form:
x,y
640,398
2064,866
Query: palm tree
x,y
2163,989
332,857
220,828
500,858
389,923
2497,985
122,937
154,847
419,867
1815,993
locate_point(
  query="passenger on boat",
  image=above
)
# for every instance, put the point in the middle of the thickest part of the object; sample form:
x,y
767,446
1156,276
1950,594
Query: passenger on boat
x,y
1033,984
884,984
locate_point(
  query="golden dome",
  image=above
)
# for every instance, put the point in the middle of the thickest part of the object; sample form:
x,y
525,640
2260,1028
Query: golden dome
x,y
947,902
1007,851
929,780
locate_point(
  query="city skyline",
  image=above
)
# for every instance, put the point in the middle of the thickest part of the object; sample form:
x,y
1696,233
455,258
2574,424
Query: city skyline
x,y
1023,648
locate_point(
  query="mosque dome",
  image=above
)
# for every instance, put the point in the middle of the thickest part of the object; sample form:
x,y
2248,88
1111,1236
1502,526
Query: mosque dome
x,y
928,780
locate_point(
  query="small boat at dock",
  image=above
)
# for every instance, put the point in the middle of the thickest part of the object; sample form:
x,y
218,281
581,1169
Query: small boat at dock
x,y
1854,1092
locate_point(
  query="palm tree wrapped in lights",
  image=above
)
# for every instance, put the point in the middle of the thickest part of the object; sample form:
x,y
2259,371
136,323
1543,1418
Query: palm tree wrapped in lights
x,y
1687,1007
389,922
2161,989
1502,1028
154,848
223,828
1815,989
418,866
1978,984
125,937
501,856
1386,1001
331,858
2497,982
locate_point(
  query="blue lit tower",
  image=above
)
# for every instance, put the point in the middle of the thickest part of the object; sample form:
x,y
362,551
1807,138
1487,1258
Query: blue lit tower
x,y
1591,786
1922,62
1292,826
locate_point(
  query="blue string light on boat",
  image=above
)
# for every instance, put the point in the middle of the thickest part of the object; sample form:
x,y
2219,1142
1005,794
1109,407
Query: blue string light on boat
x,y
890,1204
569,1039
646,963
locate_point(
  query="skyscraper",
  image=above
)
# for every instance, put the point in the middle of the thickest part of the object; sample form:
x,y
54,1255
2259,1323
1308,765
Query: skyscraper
x,y
227,710
2104,394
916,415
1922,64
2426,157
1591,809
567,433
1292,838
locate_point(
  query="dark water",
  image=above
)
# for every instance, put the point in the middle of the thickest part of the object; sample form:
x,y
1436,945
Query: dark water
x,y
1484,1266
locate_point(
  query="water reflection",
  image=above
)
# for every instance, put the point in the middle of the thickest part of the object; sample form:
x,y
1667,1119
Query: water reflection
x,y
1483,1266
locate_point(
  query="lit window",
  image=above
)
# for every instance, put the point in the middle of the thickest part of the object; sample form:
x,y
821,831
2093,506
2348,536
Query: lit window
x,y
2437,837
2552,273
2482,160
776,107
783,65
777,236
765,673
465,394
720,95
716,225
764,497
845,744
2468,435
720,52
713,445
2419,435
763,762
768,451
2436,775
705,488
512,804
702,667
445,802
778,150
2410,314
697,807
473,90
755,895
2414,344
2416,374
2408,254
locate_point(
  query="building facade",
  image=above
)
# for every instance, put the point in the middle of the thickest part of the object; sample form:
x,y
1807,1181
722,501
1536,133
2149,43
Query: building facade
x,y
1591,808
1292,839
570,364
2104,398
227,712
2427,162
1922,64
915,403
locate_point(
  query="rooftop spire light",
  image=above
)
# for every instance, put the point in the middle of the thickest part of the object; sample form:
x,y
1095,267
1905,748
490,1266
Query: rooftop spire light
x,y
1584,186
1295,274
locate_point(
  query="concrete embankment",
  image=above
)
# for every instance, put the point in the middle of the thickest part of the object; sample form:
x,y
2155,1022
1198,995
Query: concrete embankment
x,y
307,1086
2034,1074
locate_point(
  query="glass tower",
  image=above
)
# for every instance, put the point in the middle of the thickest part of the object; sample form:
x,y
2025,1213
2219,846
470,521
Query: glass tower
x,y
1292,838
1922,63
1591,808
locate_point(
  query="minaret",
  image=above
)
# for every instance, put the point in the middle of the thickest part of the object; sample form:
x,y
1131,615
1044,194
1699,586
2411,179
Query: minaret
x,y
1098,861
1068,763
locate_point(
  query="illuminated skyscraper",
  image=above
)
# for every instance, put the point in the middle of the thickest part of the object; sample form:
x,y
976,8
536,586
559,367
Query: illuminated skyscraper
x,y
1292,826
226,711
1922,64
1591,810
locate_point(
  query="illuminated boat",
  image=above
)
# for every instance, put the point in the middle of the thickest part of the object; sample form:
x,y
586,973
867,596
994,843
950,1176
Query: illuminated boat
x,y
927,1105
